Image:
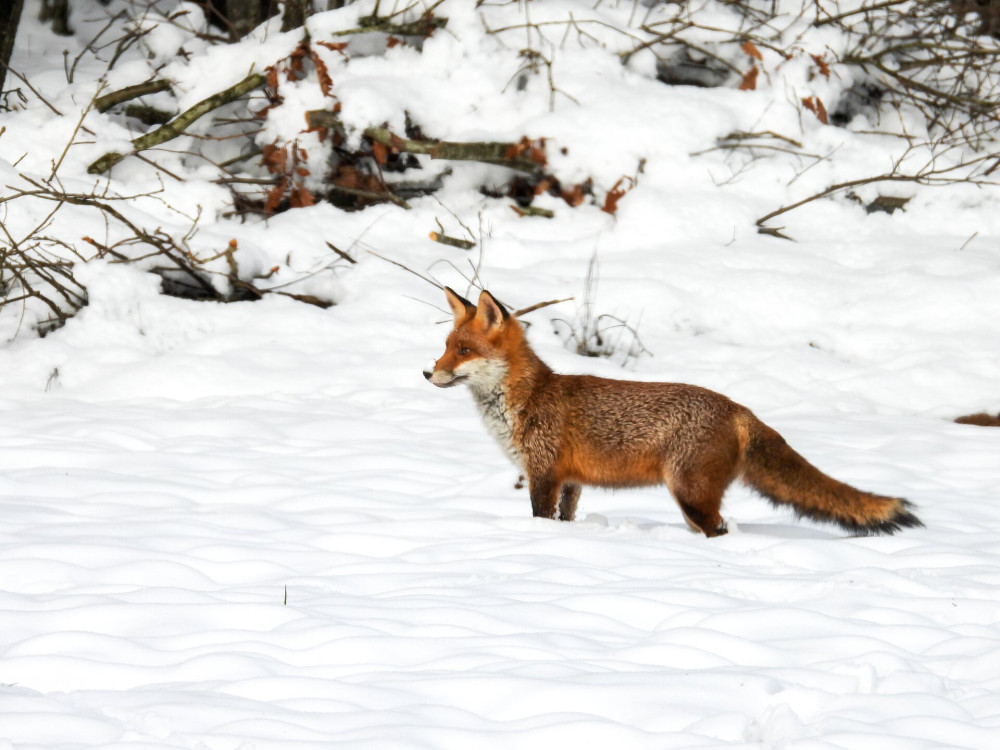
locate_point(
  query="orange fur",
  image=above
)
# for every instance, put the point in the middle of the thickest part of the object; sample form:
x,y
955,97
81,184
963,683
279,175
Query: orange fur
x,y
566,431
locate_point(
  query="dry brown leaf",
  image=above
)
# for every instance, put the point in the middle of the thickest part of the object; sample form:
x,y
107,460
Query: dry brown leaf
x,y
323,75
348,177
823,65
751,49
815,105
574,196
274,157
335,46
616,193
533,150
749,82
301,197
274,196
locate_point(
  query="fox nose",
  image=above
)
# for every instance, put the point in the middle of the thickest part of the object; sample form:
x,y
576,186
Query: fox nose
x,y
427,374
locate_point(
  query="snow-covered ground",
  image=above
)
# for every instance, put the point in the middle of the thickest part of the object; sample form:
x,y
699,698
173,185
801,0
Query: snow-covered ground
x,y
255,525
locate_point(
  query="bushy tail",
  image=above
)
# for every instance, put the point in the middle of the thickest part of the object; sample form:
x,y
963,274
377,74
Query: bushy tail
x,y
784,477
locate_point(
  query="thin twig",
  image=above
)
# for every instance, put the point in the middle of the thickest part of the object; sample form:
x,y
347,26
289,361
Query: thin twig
x,y
539,306
406,268
340,252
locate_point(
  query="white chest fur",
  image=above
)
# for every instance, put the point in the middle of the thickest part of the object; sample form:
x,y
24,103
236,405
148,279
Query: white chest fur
x,y
485,378
492,405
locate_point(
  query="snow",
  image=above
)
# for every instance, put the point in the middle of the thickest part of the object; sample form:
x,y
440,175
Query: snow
x,y
255,525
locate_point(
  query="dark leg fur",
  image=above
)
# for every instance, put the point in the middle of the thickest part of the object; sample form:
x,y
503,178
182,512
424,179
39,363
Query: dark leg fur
x,y
544,496
700,500
567,502
698,489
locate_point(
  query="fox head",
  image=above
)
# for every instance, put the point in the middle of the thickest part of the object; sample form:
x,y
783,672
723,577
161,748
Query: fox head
x,y
475,352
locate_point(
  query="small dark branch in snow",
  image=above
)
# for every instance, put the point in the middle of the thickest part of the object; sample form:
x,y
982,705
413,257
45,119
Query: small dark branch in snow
x,y
543,213
161,168
739,137
247,180
309,299
981,419
370,195
452,241
773,232
341,253
147,115
107,101
250,154
886,204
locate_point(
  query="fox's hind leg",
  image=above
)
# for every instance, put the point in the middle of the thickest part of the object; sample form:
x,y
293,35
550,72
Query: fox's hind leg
x,y
568,500
699,495
699,485
700,506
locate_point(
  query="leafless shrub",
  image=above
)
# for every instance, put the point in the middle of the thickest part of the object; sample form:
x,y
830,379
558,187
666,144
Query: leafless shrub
x,y
31,273
593,334
38,268
941,57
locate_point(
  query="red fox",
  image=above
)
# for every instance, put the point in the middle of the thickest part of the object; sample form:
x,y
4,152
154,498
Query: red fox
x,y
566,431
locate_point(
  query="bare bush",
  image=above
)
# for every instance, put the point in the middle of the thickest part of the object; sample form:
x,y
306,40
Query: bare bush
x,y
593,334
39,268
940,57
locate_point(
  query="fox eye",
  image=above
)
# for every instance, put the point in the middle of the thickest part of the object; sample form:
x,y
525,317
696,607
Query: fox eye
x,y
464,351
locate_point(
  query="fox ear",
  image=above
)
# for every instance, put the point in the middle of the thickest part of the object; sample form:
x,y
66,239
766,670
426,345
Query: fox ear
x,y
490,313
461,308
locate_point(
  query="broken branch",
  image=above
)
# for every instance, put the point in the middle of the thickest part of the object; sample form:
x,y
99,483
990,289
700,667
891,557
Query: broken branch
x,y
539,306
106,102
452,241
525,156
177,126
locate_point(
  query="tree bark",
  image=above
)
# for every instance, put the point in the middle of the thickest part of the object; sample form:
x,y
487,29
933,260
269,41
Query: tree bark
x,y
10,15
57,11
294,15
245,15
239,17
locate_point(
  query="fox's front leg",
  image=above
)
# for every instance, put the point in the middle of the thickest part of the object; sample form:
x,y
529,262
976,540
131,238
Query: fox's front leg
x,y
544,490
567,501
